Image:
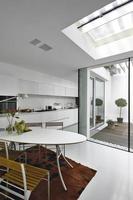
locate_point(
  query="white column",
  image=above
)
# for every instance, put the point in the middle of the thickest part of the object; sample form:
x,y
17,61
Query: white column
x,y
84,110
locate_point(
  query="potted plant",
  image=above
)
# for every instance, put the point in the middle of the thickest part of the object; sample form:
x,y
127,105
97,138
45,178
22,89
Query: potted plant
x,y
11,115
120,103
21,127
110,123
99,102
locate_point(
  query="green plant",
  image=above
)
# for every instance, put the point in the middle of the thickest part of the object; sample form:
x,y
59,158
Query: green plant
x,y
11,114
121,103
99,102
21,126
110,122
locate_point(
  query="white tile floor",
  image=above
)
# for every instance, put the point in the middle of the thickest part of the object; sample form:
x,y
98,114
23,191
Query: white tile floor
x,y
114,177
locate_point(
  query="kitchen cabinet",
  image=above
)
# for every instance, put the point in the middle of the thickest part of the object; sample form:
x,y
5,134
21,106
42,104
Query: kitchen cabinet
x,y
32,87
45,89
72,92
28,87
31,117
67,116
8,85
59,90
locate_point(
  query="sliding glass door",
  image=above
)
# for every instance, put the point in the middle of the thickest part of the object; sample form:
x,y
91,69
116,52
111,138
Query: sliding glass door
x,y
131,106
92,113
99,101
97,95
111,105
109,97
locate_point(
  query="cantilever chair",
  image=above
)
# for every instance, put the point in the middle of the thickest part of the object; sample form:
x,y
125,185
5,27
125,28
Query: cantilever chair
x,y
21,177
33,124
25,145
55,125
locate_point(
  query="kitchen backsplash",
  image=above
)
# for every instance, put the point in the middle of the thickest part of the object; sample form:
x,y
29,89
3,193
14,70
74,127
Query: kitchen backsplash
x,y
39,102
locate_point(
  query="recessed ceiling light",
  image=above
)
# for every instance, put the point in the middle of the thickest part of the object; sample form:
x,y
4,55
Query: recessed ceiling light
x,y
35,41
45,47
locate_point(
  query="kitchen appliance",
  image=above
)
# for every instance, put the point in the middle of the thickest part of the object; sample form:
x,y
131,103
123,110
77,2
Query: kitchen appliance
x,y
8,103
49,108
57,106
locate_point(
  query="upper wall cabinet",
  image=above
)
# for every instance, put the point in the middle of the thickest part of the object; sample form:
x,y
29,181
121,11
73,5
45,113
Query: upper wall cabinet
x,y
28,87
59,91
8,85
32,87
45,89
71,92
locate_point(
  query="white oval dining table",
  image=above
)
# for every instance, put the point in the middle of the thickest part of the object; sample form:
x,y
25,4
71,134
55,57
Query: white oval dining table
x,y
46,137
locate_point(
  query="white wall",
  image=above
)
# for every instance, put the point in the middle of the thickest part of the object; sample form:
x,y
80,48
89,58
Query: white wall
x,y
119,89
102,73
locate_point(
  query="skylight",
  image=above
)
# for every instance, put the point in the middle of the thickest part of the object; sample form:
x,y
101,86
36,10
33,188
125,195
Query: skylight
x,y
106,32
112,27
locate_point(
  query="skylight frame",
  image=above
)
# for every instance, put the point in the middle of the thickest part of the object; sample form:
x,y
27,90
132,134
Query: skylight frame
x,y
98,14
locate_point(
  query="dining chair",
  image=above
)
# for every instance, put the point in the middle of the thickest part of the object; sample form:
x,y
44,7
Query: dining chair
x,y
24,146
7,152
55,125
21,179
32,124
4,149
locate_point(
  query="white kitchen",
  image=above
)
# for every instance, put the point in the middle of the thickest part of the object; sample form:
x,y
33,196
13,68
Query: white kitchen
x,y
39,97
60,75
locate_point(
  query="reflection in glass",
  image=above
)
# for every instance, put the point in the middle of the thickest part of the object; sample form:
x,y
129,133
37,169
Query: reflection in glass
x,y
91,102
99,101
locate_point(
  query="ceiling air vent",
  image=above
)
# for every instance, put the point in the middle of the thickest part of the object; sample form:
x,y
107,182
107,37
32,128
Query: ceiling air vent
x,y
45,47
35,42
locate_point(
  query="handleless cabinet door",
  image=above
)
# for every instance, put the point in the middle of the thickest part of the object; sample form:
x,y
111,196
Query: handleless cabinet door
x,y
72,92
28,87
46,89
8,85
59,91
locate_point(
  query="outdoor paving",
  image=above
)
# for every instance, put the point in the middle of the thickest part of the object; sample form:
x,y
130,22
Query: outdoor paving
x,y
117,135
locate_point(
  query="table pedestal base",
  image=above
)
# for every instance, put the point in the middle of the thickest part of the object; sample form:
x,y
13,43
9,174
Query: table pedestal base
x,y
58,154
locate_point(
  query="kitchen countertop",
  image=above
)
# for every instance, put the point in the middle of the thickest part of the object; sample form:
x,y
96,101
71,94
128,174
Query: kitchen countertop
x,y
44,111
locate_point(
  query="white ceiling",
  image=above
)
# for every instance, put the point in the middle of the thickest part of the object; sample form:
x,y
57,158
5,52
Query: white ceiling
x,y
23,20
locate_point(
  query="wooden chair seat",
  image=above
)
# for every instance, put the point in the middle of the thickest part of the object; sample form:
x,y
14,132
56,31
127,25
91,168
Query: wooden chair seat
x,y
23,176
33,176
2,146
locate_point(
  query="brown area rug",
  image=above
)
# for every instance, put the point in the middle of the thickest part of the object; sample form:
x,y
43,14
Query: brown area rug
x,y
76,178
